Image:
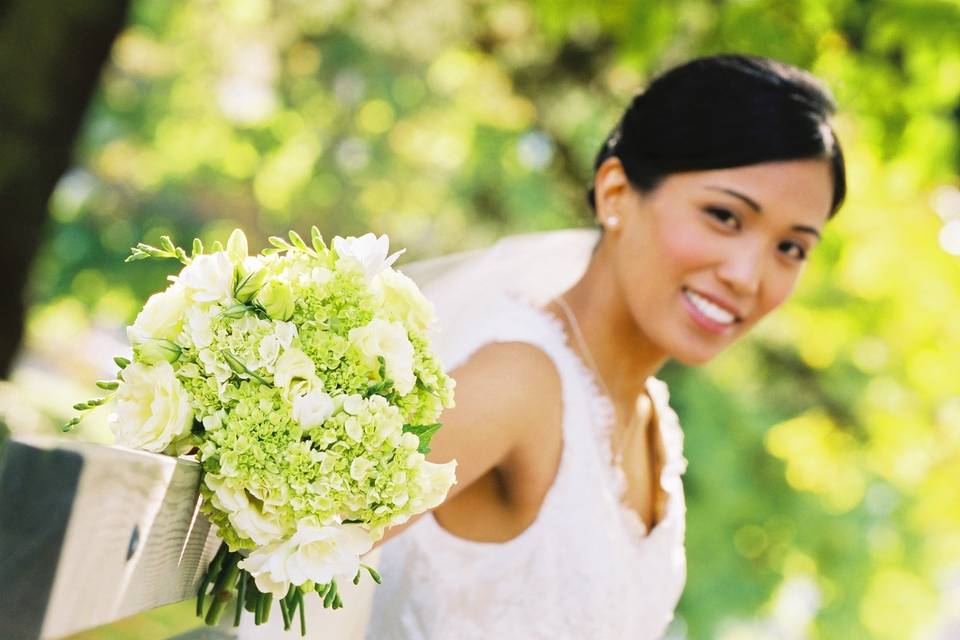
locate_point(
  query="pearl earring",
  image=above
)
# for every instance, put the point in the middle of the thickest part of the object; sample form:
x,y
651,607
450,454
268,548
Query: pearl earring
x,y
613,222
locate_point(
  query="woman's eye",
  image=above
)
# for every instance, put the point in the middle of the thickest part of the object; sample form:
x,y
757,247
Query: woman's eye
x,y
724,217
793,250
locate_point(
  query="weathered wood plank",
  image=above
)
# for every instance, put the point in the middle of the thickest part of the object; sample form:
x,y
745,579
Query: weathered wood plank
x,y
134,539
37,488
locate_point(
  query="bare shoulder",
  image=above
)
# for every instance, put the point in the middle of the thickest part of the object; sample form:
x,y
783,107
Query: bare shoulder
x,y
519,373
505,392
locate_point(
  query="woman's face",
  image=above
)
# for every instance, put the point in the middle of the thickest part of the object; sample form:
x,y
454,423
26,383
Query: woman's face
x,y
706,254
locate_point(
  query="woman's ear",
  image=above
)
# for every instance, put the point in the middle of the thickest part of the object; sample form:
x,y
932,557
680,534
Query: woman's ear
x,y
610,185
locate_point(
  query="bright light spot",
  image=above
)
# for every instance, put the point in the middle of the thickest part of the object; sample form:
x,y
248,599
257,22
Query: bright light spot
x,y
353,154
946,202
71,194
535,150
245,100
950,237
246,94
376,116
348,86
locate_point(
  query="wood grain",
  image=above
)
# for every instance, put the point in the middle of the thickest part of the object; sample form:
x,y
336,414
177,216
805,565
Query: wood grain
x,y
134,539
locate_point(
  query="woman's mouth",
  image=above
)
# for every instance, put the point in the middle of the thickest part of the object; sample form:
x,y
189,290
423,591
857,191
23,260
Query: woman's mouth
x,y
708,315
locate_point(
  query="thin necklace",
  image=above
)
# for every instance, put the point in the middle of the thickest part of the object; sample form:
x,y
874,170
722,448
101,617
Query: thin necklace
x,y
582,343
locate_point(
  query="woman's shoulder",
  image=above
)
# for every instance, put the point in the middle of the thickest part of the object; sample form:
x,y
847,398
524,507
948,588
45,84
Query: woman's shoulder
x,y
517,378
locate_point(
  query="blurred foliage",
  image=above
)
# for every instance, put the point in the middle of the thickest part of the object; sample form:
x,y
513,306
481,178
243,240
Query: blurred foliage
x,y
824,452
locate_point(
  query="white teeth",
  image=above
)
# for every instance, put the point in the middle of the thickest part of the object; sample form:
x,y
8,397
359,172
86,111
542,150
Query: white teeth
x,y
707,308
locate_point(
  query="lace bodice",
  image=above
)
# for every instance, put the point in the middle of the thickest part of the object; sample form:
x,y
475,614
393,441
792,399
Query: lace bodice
x,y
585,568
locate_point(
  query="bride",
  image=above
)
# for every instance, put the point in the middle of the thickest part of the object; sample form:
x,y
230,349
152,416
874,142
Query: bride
x,y
568,517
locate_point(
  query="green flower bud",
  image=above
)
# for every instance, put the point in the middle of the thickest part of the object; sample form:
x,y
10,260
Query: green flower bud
x,y
153,351
276,299
249,284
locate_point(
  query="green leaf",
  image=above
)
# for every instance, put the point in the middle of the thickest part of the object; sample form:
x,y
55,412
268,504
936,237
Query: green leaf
x,y
424,432
316,239
298,241
197,246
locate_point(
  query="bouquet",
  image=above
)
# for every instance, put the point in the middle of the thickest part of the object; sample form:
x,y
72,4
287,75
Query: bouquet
x,y
303,381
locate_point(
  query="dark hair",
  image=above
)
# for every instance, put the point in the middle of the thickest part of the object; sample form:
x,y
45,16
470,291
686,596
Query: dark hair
x,y
724,111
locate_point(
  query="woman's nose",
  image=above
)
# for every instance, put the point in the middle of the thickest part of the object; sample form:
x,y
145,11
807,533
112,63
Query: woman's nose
x,y
742,270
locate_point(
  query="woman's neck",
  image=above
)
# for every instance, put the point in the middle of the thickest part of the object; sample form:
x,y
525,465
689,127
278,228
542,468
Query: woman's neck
x,y
624,356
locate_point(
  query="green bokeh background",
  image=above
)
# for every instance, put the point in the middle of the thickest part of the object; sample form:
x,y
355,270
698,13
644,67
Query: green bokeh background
x,y
824,480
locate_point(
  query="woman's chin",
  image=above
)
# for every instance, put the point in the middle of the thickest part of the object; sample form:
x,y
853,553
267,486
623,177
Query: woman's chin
x,y
697,354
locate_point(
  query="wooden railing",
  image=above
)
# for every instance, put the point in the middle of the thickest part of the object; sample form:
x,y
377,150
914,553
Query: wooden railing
x,y
90,534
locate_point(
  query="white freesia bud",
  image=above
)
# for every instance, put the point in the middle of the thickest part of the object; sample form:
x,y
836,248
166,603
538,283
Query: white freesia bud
x,y
161,317
315,552
402,298
237,246
295,373
369,250
312,408
208,278
387,339
152,408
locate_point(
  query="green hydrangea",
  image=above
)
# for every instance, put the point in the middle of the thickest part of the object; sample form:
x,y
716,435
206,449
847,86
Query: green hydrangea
x,y
312,383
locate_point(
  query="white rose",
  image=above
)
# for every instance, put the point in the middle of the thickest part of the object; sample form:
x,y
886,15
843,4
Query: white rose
x,y
230,496
368,250
312,408
402,297
387,339
315,552
161,317
251,523
152,408
295,373
209,278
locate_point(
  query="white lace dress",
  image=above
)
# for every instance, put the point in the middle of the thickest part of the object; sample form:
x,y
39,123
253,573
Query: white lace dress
x,y
585,568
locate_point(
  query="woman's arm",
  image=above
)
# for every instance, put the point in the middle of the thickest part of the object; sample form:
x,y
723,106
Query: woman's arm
x,y
502,391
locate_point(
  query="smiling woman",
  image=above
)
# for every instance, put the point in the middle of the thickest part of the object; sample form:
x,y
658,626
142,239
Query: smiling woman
x,y
568,519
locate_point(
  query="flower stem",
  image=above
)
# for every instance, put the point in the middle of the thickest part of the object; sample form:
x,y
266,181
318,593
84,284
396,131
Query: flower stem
x,y
213,571
241,598
223,588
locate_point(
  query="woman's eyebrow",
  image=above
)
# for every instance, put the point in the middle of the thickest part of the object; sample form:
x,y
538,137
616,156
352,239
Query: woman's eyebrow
x,y
750,201
756,207
805,229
